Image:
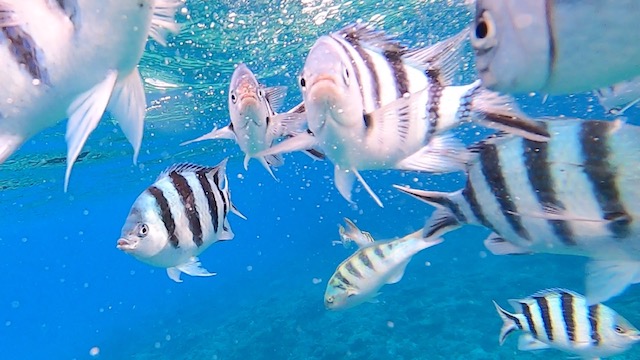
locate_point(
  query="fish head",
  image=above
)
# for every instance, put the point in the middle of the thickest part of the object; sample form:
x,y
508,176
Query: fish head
x,y
144,234
622,334
329,86
339,296
511,44
246,99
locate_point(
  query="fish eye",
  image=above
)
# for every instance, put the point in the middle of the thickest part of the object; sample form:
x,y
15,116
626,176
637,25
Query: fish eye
x,y
345,75
303,83
233,97
143,230
484,31
619,329
330,299
260,93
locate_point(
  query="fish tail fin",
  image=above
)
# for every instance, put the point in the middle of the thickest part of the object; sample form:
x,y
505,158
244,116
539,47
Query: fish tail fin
x,y
444,218
501,112
128,106
9,143
163,20
509,325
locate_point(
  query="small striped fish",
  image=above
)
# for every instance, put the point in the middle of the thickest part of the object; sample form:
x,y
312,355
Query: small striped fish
x,y
360,276
178,217
562,319
255,125
351,234
576,194
56,62
372,103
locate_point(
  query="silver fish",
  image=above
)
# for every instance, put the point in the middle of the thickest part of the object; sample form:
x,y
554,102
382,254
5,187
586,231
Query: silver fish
x,y
373,104
255,125
561,319
555,46
361,275
56,62
618,98
178,217
576,194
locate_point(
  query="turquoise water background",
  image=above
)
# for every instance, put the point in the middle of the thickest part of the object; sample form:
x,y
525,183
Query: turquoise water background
x,y
66,289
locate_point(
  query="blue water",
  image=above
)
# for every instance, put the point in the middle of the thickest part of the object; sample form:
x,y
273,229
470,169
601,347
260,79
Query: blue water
x,y
66,289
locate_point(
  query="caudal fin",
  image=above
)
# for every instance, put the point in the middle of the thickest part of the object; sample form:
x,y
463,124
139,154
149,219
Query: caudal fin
x,y
501,112
509,323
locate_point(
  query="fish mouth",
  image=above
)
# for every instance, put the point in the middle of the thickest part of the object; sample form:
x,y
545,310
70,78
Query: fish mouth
x,y
125,245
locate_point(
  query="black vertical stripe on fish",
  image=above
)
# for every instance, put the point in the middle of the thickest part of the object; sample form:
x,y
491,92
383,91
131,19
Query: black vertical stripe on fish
x,y
343,279
433,102
211,200
543,304
353,270
188,199
594,138
394,58
536,161
362,256
379,253
353,40
526,311
26,52
566,302
512,318
469,195
165,215
593,322
355,69
550,37
492,171
216,181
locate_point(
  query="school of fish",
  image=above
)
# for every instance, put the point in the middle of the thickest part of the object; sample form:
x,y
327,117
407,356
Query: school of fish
x,y
550,185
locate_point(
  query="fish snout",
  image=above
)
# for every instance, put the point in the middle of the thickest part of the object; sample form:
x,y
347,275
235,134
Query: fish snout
x,y
125,244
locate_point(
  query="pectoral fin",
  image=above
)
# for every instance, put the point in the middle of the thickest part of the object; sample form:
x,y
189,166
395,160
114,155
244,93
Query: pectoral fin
x,y
84,115
222,133
127,106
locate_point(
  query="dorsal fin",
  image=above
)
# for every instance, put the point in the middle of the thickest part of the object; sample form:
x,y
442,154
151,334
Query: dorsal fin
x,y
365,35
185,167
555,291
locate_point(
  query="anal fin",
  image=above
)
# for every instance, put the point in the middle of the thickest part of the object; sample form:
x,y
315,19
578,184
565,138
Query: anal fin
x,y
443,154
608,278
497,245
84,115
526,342
194,268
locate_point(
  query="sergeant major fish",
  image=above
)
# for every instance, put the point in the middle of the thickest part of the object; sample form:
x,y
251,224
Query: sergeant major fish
x,y
178,217
555,46
75,58
361,275
373,104
562,319
254,122
576,194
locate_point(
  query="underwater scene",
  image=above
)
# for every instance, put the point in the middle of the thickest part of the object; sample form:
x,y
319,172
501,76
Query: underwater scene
x,y
318,179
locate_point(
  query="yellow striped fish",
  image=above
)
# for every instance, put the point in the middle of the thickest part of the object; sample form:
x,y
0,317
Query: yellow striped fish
x,y
360,276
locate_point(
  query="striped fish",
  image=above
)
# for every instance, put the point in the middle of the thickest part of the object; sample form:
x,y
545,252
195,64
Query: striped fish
x,y
178,217
57,63
372,103
576,194
255,125
360,276
562,320
351,234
